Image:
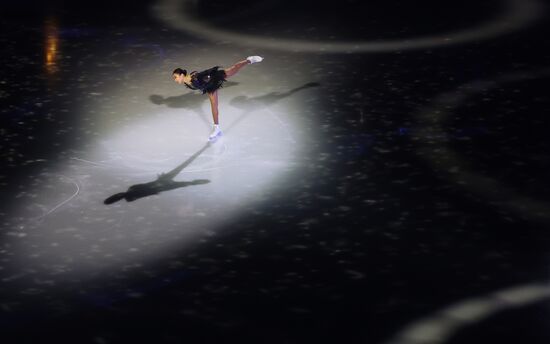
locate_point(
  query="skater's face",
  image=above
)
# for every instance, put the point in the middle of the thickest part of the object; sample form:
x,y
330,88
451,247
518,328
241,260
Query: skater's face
x,y
178,78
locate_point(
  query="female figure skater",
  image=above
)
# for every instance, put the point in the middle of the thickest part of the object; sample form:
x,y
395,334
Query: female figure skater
x,y
208,81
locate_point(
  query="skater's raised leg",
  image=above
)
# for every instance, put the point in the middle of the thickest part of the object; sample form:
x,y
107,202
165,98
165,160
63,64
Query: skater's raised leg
x,y
237,66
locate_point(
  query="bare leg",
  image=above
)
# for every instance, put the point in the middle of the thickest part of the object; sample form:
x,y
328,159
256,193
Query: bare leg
x,y
235,68
214,104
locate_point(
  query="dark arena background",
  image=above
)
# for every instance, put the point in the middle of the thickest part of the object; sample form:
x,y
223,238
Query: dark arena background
x,y
383,174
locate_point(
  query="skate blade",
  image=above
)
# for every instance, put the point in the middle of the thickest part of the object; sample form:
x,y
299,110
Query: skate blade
x,y
215,138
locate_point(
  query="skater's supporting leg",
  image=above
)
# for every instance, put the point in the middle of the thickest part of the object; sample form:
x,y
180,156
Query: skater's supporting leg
x,y
216,132
214,104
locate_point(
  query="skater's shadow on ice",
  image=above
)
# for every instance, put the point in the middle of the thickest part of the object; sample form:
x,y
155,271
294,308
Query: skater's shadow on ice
x,y
250,104
254,103
164,182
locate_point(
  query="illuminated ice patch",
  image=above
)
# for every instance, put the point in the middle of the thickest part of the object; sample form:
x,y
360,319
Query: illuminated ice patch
x,y
182,188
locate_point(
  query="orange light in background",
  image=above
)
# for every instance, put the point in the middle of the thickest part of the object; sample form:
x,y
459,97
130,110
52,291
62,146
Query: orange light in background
x,y
51,45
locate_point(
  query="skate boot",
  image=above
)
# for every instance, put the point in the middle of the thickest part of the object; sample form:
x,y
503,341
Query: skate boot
x,y
216,132
254,59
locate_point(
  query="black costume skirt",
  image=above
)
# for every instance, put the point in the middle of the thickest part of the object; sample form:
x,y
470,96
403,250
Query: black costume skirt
x,y
208,80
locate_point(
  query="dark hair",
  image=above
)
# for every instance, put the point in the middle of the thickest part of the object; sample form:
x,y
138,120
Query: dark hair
x,y
179,71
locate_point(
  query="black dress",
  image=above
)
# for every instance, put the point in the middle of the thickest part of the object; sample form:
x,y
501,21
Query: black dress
x,y
208,80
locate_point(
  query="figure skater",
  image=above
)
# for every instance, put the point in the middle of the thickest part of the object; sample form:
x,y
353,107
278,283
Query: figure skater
x,y
208,81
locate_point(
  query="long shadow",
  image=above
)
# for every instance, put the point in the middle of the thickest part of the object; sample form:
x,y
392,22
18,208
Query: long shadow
x,y
249,104
164,182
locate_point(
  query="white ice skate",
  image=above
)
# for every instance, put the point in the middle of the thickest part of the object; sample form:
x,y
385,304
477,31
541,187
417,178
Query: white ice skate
x,y
254,59
216,132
